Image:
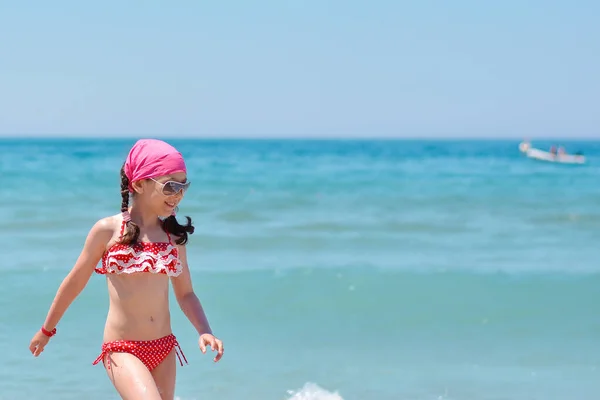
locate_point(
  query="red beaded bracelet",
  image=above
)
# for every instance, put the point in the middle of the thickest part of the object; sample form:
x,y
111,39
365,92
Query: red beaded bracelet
x,y
49,333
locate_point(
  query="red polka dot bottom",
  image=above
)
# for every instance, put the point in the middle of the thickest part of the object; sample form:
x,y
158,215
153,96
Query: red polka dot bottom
x,y
150,352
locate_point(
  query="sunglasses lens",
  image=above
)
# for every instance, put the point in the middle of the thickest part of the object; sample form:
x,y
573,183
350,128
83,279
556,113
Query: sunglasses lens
x,y
170,188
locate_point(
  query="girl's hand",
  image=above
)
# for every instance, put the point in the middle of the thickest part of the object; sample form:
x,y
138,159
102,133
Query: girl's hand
x,y
208,339
38,343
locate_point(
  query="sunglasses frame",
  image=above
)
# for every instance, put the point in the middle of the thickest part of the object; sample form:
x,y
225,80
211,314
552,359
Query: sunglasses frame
x,y
183,187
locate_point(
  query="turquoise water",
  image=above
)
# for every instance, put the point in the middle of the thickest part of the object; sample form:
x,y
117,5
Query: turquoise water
x,y
421,270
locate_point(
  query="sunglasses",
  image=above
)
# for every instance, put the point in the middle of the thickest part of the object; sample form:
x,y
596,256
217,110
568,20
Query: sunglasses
x,y
171,188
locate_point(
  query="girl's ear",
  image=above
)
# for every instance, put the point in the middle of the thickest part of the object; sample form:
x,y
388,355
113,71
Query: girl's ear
x,y
138,186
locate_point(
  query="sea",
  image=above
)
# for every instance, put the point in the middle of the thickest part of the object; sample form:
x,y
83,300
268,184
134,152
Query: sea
x,y
331,269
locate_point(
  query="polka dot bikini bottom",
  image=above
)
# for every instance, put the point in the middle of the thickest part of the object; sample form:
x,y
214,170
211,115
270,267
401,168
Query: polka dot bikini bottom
x,y
150,352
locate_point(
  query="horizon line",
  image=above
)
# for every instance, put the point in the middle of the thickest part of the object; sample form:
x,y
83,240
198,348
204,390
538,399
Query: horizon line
x,y
296,137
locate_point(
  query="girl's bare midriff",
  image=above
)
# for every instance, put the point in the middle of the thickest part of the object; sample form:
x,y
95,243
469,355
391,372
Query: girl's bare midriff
x,y
139,307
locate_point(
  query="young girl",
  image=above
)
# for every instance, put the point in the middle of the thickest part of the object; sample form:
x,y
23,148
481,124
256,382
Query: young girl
x,y
140,249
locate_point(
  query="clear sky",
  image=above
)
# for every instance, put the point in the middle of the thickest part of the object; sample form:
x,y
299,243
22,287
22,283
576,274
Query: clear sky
x,y
450,68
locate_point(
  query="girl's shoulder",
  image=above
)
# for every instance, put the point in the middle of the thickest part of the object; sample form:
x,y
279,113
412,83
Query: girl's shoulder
x,y
107,228
110,223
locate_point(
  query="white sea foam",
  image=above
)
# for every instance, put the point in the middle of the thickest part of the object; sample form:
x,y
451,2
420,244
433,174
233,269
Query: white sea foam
x,y
311,391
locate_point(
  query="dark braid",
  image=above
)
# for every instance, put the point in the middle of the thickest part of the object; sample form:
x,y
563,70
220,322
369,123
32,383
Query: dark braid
x,y
172,226
131,232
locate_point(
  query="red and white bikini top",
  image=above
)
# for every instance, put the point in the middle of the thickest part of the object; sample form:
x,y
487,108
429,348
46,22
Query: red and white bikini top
x,y
154,257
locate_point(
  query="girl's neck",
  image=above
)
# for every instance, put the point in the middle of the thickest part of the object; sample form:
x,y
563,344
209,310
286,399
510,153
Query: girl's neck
x,y
143,217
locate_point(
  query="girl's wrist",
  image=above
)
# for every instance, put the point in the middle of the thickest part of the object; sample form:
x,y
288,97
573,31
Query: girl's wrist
x,y
47,332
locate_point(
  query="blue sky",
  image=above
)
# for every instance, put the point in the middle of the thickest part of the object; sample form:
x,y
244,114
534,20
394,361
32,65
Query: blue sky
x,y
300,68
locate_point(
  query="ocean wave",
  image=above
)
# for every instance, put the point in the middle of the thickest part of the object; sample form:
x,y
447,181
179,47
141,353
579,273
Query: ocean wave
x,y
311,391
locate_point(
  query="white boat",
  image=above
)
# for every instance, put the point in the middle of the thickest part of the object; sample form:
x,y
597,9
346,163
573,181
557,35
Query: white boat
x,y
542,155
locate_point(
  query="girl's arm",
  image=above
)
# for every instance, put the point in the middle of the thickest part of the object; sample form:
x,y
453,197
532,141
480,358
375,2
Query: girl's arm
x,y
191,307
78,277
187,299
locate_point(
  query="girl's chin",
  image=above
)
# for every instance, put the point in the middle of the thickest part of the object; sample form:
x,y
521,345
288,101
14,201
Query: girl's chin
x,y
165,213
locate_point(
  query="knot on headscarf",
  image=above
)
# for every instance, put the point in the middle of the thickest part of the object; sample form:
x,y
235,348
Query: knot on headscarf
x,y
150,158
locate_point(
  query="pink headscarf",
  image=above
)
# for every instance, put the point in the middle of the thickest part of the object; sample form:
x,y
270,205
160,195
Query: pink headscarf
x,y
149,158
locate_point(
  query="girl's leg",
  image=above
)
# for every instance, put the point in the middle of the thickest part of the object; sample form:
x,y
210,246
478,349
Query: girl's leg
x,y
130,377
164,376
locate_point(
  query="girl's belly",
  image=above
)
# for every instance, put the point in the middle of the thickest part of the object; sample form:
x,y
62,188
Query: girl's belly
x,y
139,307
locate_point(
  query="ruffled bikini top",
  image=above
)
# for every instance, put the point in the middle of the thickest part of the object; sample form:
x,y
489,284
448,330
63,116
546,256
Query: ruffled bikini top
x,y
154,257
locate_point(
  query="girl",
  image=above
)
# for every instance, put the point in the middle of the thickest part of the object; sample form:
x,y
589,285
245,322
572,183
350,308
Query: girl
x,y
140,249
